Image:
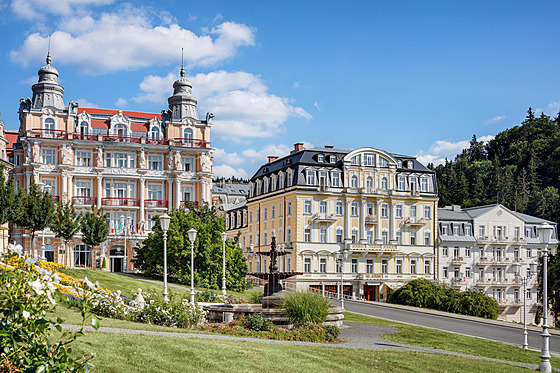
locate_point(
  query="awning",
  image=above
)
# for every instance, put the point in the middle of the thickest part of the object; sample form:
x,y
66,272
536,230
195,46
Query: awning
x,y
394,285
373,283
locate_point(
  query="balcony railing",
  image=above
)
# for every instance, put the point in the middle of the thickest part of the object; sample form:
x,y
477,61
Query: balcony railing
x,y
324,217
85,136
185,204
152,141
133,202
414,221
155,203
193,143
82,200
120,138
48,134
457,260
371,219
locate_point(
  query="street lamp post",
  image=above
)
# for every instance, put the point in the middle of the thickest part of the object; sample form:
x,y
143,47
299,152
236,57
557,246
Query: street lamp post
x,y
224,238
524,280
164,222
341,259
123,225
192,236
545,232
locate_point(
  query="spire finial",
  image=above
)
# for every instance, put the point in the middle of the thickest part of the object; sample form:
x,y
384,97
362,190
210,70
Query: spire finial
x,y
182,63
49,52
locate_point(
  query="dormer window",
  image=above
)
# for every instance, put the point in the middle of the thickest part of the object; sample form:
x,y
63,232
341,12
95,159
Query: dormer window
x,y
320,158
310,177
399,164
120,129
369,159
154,133
332,159
188,133
383,162
356,160
84,127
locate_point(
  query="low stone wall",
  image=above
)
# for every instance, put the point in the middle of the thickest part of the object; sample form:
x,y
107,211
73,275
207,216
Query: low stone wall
x,y
277,315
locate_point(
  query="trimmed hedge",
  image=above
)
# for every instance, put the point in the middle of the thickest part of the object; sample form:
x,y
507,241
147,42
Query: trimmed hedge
x,y
428,294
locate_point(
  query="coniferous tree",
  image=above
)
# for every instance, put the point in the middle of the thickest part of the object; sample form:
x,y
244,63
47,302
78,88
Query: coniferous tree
x,y
94,229
65,224
8,201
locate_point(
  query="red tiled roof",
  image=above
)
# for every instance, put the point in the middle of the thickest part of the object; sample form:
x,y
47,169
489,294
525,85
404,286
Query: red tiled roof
x,y
137,114
12,138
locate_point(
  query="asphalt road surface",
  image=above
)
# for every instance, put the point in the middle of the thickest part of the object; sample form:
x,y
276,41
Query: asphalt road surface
x,y
467,327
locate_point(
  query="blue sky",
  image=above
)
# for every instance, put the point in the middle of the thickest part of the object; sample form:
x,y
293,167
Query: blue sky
x,y
410,77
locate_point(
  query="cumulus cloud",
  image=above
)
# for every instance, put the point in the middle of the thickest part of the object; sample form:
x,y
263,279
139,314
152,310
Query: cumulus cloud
x,y
232,159
227,171
39,9
85,103
261,156
442,149
496,119
121,102
243,107
130,38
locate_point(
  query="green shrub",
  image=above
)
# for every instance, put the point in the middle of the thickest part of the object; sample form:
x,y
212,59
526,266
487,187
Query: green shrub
x,y
254,296
206,296
257,322
306,307
332,330
428,294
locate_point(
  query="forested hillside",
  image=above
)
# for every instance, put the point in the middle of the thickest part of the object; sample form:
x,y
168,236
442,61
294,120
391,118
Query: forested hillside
x,y
520,168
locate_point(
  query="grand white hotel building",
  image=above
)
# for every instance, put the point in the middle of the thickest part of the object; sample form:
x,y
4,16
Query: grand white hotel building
x,y
134,165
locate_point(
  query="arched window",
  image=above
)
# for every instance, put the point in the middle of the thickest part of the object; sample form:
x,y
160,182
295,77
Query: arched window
x,y
369,183
354,181
120,129
49,124
154,133
188,133
384,183
84,128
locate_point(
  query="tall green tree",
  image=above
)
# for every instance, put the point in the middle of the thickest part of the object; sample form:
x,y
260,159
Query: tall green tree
x,y
94,229
8,201
37,210
65,224
207,250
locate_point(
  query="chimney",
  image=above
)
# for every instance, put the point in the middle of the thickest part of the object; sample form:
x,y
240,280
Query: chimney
x,y
272,158
329,147
298,146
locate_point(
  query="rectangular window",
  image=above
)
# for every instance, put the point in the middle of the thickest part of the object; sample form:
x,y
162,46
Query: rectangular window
x,y
323,235
385,237
265,215
398,211
467,252
49,156
289,208
339,208
481,231
310,178
528,293
272,212
354,208
427,212
468,272
120,160
339,235
401,183
398,267
444,251
82,256
155,162
468,230
265,239
529,252
83,188
187,164
427,266
445,274
413,238
307,264
427,239
323,264
369,235
289,235
412,211
356,160
369,159
369,265
424,185
354,236
307,235
384,210
354,266
307,207
456,252
323,207
413,266
384,266
336,179
83,159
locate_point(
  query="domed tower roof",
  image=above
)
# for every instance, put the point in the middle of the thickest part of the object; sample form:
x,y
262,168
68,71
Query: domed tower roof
x,y
47,91
182,104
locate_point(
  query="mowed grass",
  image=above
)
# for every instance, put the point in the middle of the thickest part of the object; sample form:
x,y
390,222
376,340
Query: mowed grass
x,y
142,353
433,338
128,285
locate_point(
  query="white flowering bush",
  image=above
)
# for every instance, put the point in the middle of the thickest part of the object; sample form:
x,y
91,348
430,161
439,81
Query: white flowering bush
x,y
27,293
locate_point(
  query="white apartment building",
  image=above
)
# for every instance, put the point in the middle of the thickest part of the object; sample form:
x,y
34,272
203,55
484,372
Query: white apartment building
x,y
478,247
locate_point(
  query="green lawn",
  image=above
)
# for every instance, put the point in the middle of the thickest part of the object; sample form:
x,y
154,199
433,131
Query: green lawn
x,y
433,338
136,353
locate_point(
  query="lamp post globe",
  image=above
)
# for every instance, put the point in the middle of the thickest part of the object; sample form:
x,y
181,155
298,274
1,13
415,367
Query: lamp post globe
x,y
545,231
164,222
224,238
192,237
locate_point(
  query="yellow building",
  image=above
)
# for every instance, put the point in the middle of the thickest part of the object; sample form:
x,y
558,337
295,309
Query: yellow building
x,y
378,208
133,165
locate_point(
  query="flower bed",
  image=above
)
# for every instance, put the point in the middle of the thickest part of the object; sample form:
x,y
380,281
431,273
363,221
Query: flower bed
x,y
306,333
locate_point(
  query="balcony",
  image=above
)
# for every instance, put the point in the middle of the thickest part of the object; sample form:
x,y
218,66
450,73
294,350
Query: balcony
x,y
119,138
130,202
327,218
371,219
85,136
83,200
458,280
187,204
48,134
414,221
155,203
457,260
151,141
192,143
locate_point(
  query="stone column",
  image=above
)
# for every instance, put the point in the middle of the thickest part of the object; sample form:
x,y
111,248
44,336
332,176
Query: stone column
x,y
378,229
70,187
177,193
99,190
142,192
169,195
393,225
363,213
28,179
348,221
63,192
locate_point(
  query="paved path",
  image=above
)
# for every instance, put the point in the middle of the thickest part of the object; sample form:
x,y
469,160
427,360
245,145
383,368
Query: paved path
x,y
357,335
505,333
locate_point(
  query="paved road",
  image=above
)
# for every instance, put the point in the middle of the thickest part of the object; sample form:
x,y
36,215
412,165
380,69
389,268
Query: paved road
x,y
467,327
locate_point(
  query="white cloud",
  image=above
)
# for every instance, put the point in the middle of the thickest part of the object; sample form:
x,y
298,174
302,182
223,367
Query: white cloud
x,y
242,106
39,9
121,102
130,38
317,105
496,119
228,171
261,156
85,103
442,149
553,108
232,159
